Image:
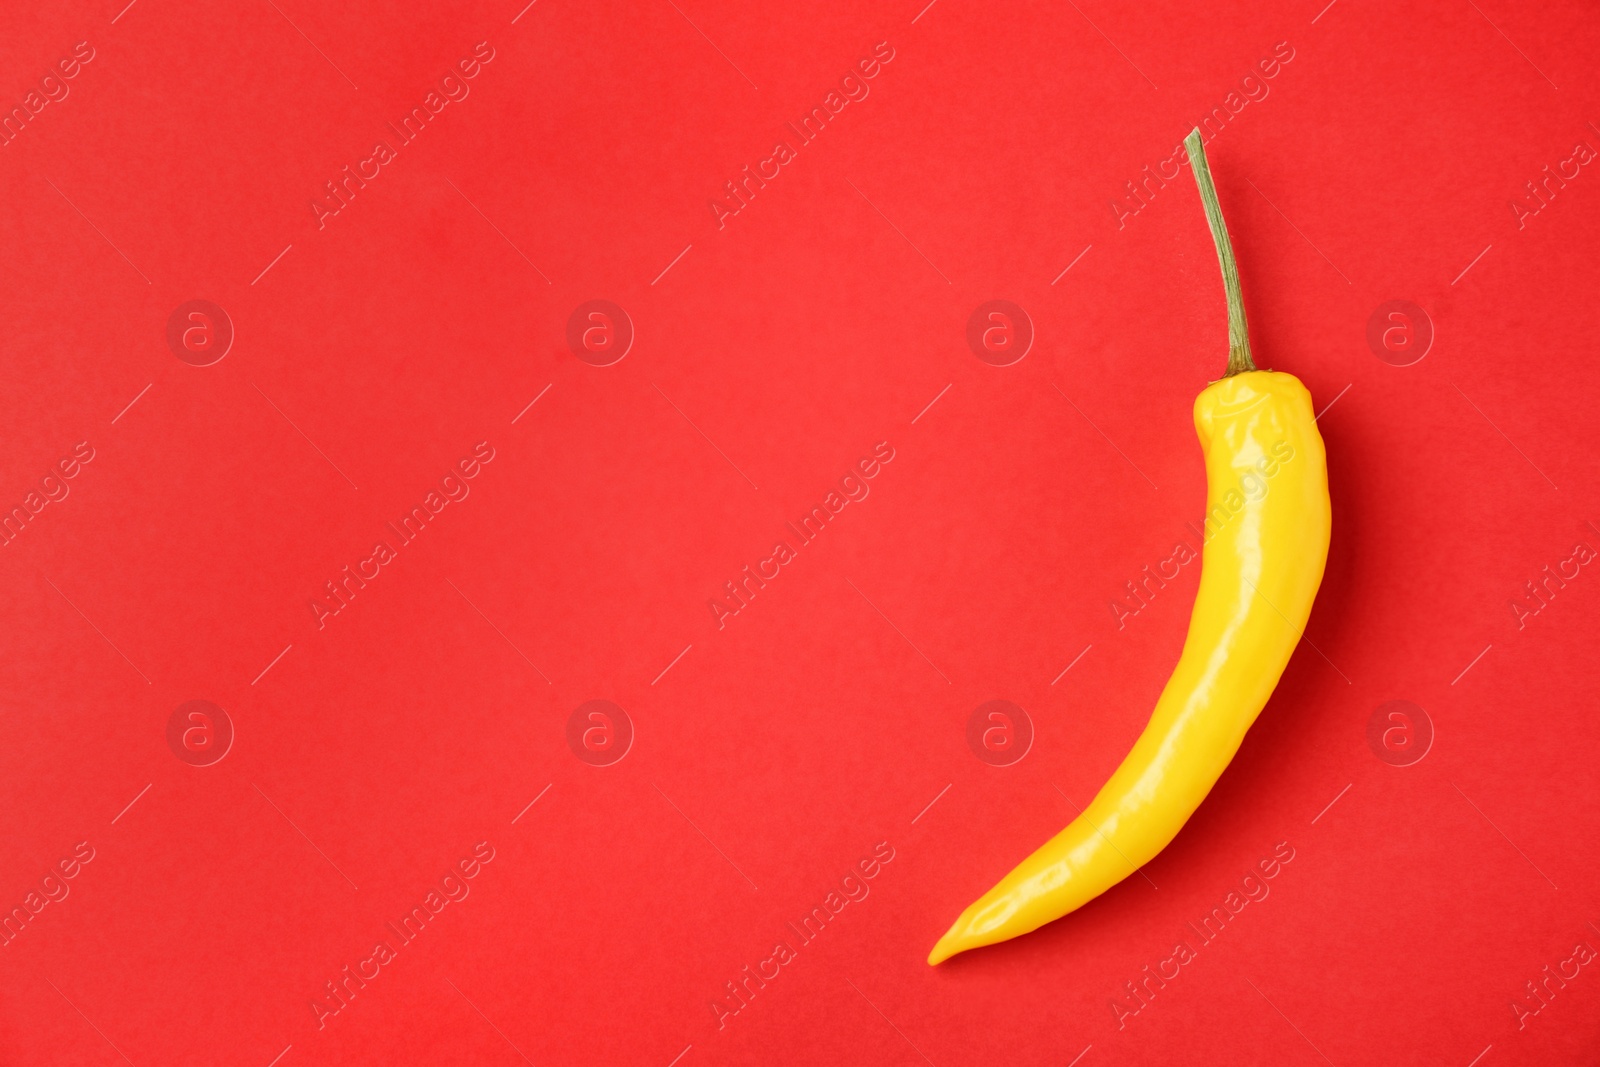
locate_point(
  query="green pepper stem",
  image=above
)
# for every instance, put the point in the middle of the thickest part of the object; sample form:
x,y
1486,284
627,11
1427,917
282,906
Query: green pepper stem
x,y
1239,359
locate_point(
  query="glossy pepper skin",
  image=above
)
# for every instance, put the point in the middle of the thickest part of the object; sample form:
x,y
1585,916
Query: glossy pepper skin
x,y
1267,526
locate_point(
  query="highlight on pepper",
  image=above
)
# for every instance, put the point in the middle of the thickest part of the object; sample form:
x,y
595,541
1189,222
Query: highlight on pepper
x,y
1261,565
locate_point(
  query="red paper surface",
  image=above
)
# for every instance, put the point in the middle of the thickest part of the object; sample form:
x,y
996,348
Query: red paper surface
x,y
1364,154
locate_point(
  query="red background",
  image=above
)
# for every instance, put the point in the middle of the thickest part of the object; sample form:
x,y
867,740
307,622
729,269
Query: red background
x,y
823,318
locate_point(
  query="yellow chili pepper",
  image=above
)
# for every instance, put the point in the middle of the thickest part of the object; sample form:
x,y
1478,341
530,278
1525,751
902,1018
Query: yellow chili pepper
x,y
1266,542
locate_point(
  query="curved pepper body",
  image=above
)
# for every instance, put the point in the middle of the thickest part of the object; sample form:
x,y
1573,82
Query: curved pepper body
x,y
1266,542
